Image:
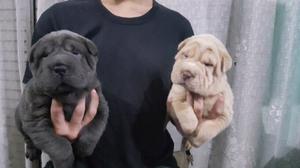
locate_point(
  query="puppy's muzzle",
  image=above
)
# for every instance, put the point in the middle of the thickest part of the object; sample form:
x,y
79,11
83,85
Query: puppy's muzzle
x,y
60,69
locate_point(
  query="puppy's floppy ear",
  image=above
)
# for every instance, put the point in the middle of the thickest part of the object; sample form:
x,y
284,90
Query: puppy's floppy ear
x,y
226,60
182,44
33,58
30,57
92,48
92,58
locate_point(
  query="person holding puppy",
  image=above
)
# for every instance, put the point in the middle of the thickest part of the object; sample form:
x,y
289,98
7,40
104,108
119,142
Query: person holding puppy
x,y
137,41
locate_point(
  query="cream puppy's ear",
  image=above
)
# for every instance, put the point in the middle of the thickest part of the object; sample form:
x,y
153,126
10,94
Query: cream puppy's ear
x,y
180,46
184,42
226,60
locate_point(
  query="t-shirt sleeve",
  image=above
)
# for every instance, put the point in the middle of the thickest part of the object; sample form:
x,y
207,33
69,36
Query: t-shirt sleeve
x,y
45,25
188,30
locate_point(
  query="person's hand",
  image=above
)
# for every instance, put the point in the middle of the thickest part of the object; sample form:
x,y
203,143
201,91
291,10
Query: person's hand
x,y
197,103
79,119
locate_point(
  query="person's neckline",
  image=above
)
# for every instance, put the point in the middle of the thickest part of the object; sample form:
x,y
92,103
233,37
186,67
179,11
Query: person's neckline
x,y
127,20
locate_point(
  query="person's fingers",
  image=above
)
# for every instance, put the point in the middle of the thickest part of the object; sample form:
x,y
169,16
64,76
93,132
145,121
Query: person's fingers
x,y
57,113
93,108
78,114
198,107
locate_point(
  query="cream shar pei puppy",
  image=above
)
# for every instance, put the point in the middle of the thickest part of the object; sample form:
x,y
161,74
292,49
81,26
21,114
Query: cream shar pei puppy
x,y
200,70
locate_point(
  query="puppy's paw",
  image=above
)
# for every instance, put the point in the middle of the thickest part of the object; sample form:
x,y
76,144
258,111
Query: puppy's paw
x,y
32,153
83,149
85,144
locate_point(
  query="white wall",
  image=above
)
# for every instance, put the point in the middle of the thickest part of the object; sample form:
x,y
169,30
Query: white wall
x,y
15,30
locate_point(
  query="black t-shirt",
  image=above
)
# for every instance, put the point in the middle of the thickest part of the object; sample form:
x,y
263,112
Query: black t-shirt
x,y
135,60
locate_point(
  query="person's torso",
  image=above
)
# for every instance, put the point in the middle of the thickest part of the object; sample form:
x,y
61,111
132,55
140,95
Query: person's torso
x,y
135,59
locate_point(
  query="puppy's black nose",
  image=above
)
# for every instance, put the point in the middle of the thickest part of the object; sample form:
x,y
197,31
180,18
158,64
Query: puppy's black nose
x,y
186,75
60,69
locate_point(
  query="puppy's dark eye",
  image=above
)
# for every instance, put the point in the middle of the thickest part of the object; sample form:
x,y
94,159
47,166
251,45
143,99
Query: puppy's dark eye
x,y
185,55
47,50
208,64
44,54
75,51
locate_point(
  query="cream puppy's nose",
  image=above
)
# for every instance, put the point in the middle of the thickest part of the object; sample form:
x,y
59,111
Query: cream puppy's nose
x,y
186,75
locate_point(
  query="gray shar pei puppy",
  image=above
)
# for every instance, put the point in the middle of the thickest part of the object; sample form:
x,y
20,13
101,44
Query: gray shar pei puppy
x,y
63,65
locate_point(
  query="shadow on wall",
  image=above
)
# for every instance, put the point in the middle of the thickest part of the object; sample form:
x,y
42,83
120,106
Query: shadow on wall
x,y
290,160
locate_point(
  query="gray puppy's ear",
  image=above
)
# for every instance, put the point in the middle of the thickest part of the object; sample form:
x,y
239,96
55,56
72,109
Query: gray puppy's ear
x,y
92,48
92,58
33,59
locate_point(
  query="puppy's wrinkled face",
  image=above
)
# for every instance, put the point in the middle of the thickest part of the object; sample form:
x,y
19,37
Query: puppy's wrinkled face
x,y
201,63
62,61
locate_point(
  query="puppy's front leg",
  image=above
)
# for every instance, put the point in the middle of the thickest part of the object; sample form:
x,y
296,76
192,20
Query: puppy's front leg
x,y
91,133
43,137
32,153
180,110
